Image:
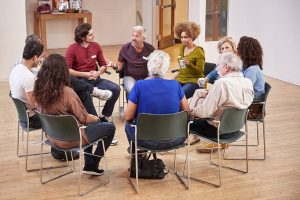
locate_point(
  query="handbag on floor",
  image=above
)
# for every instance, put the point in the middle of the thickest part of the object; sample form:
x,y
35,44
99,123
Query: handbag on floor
x,y
148,168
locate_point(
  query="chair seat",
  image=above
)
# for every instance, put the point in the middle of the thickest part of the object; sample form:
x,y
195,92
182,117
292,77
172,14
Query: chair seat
x,y
140,148
235,136
65,149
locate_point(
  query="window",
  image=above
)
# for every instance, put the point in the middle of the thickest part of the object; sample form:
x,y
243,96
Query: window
x,y
216,19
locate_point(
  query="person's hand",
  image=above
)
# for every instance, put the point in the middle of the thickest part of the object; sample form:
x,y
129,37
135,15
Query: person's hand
x,y
95,74
109,63
186,61
88,75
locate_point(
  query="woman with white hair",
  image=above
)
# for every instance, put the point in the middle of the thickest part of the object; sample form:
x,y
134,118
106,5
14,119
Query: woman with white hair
x,y
155,95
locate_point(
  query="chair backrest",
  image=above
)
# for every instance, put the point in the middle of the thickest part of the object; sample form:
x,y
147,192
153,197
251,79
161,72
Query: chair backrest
x,y
158,127
60,127
267,90
21,109
208,67
232,120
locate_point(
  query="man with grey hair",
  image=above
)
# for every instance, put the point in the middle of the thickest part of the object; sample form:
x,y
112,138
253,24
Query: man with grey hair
x,y
231,90
133,56
155,95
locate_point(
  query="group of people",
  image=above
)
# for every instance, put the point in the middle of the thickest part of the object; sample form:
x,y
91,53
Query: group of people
x,y
65,85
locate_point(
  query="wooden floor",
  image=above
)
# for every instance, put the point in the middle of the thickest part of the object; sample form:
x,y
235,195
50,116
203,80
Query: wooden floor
x,y
278,177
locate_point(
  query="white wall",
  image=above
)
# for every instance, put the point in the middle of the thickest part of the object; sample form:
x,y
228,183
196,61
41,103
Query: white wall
x,y
13,34
112,23
273,22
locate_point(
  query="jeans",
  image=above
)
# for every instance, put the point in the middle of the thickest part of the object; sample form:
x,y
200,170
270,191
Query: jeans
x,y
128,84
189,89
84,91
152,144
95,131
104,84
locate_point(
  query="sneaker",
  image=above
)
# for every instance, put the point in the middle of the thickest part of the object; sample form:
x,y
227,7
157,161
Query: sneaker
x,y
114,142
206,148
102,94
92,170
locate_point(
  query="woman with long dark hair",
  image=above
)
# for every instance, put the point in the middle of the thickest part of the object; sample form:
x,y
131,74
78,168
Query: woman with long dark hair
x,y
53,95
251,53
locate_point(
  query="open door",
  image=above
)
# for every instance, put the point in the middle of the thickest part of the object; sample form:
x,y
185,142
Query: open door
x,y
166,23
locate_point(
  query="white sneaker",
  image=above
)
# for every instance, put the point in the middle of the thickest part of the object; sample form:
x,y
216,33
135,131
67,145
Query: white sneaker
x,y
114,142
102,94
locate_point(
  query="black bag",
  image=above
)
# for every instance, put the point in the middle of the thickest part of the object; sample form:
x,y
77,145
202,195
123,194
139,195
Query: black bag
x,y
148,169
60,155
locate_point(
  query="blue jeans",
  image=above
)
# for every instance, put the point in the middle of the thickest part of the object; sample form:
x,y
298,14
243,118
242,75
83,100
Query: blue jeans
x,y
95,131
152,144
104,84
189,89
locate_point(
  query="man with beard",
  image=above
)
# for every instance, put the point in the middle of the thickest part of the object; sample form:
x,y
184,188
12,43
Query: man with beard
x,y
134,55
21,79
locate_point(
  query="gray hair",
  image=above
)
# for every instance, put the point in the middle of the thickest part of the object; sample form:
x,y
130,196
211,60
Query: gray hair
x,y
158,63
140,29
231,60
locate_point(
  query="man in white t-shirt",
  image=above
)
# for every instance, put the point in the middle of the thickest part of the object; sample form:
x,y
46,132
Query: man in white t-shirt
x,y
21,79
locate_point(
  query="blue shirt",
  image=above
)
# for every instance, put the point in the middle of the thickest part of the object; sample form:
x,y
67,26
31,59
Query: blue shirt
x,y
157,96
254,73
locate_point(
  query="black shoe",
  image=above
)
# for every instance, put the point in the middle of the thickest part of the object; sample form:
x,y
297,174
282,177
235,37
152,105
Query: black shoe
x,y
104,119
92,170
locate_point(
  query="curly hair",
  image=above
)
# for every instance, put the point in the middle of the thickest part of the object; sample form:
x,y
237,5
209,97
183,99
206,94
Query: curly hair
x,y
81,32
250,51
51,80
190,28
229,40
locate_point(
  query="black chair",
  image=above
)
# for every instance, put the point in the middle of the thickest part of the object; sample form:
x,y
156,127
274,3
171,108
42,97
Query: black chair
x,y
209,67
159,127
24,123
260,118
65,128
231,121
122,100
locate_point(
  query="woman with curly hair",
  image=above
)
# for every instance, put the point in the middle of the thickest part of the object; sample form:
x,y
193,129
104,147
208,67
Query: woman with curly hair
x,y
53,95
191,57
251,53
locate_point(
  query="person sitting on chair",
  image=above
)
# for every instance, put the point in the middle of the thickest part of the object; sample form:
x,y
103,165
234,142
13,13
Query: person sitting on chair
x,y
134,55
21,79
155,95
82,58
53,95
191,57
225,44
231,90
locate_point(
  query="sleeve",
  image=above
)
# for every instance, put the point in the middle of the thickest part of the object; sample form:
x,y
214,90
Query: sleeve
x,y
75,107
180,91
251,74
100,57
216,97
70,57
197,61
134,94
28,83
213,75
121,55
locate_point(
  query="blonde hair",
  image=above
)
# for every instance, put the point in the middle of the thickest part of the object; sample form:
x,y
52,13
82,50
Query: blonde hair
x,y
190,28
158,63
229,40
